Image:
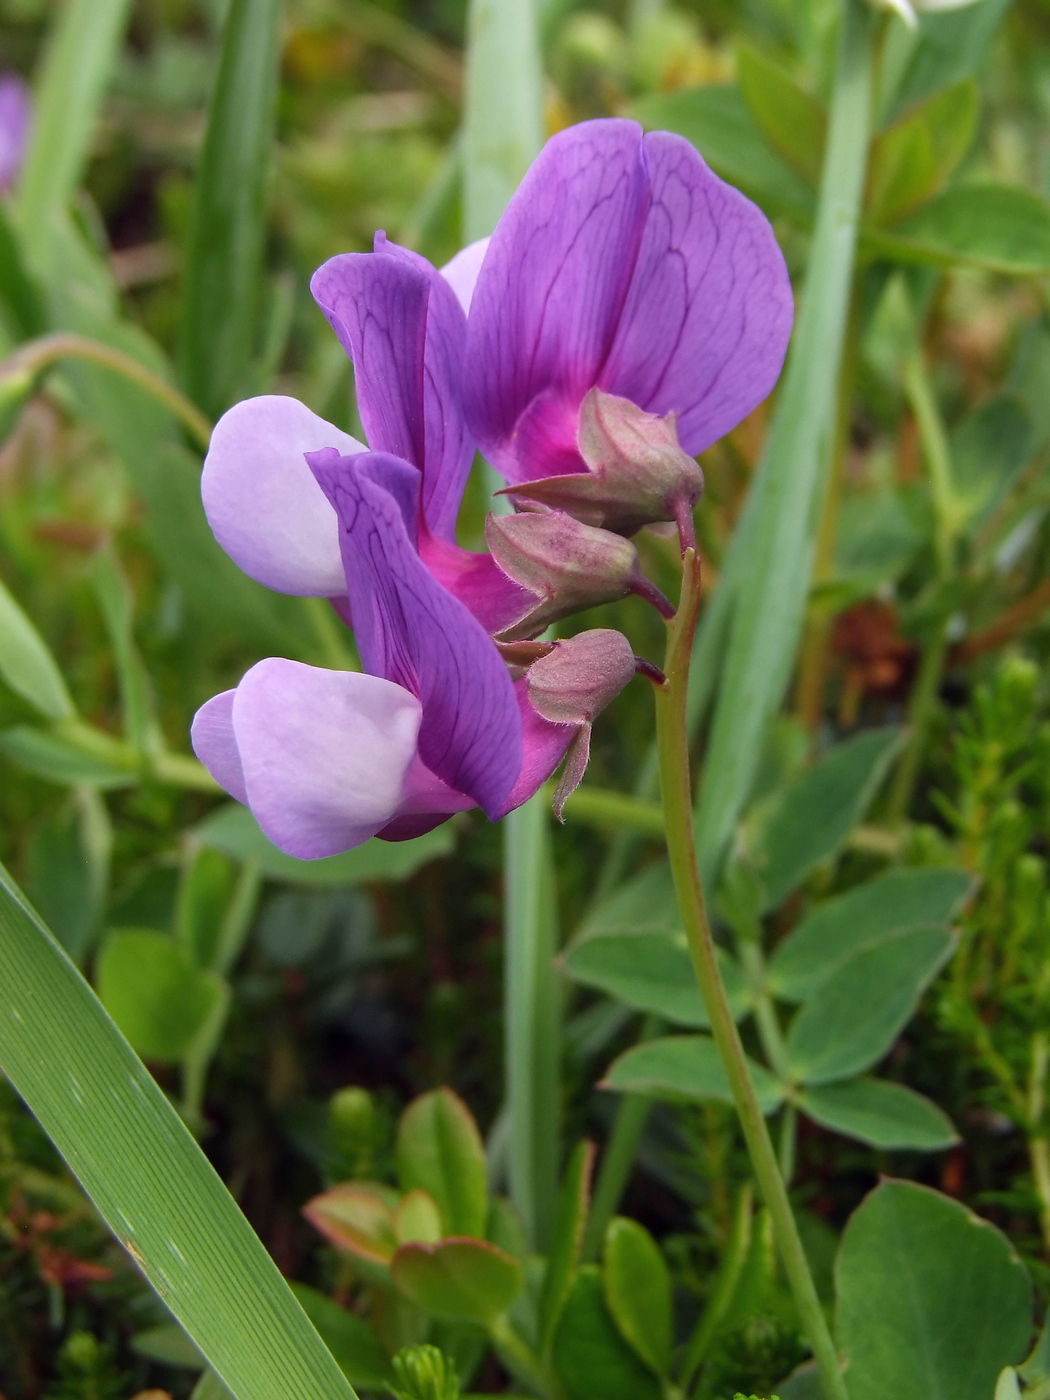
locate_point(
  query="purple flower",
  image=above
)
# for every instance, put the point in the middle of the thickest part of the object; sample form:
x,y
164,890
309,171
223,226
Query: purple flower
x,y
15,118
326,759
622,264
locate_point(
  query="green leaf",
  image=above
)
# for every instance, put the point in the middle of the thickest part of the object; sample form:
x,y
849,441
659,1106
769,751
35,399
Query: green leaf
x,y
990,448
652,972
156,995
228,227
570,1224
136,695
417,1218
358,1216
770,557
591,1358
464,1280
718,123
1001,228
27,665
950,46
145,1174
52,756
637,1286
440,1150
234,830
684,1067
81,54
204,894
816,814
832,932
857,1013
793,123
880,1114
69,871
18,289
502,108
169,1345
878,537
351,1341
913,160
932,1300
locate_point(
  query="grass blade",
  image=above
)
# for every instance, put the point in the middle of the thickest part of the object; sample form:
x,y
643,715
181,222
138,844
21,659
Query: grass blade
x,y
150,1181
77,65
228,230
771,591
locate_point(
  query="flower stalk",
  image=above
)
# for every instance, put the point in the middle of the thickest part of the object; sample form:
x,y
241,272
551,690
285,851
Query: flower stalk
x,y
673,747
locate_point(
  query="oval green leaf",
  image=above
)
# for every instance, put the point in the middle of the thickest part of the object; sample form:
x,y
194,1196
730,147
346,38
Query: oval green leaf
x,y
881,1114
637,1286
439,1150
684,1067
156,995
837,929
27,665
463,1280
932,1301
591,1358
856,1015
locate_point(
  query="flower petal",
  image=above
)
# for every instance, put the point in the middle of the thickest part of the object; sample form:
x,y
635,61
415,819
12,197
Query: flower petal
x,y
261,499
412,631
552,286
707,318
377,306
15,120
479,583
214,743
461,273
325,753
448,448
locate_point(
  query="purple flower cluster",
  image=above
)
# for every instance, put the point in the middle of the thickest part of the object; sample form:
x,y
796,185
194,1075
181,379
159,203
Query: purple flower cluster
x,y
629,309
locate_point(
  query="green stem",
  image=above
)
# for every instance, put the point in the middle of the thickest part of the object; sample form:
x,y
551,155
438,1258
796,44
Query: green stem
x,y
519,1357
921,707
36,356
947,509
727,1280
533,1002
673,744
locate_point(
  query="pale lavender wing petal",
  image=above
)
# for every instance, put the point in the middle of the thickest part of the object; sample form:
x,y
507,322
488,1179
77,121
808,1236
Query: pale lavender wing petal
x,y
15,120
212,737
377,306
552,286
448,449
544,746
412,631
707,319
461,272
261,499
325,753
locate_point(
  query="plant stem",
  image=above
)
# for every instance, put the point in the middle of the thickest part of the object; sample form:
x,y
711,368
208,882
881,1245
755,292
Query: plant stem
x,y
673,746
39,355
533,1005
920,712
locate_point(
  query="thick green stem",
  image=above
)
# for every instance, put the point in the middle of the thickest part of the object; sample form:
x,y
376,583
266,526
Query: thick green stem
x,y
533,1004
672,741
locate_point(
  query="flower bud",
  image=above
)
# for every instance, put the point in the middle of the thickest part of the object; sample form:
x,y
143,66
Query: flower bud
x,y
580,676
638,472
567,565
422,1372
574,682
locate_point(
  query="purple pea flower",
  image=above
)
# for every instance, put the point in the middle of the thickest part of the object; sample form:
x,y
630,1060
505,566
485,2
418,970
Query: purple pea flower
x,y
623,276
327,759
15,118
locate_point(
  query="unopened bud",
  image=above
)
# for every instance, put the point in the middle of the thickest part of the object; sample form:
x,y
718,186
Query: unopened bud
x,y
580,676
638,473
422,1372
569,566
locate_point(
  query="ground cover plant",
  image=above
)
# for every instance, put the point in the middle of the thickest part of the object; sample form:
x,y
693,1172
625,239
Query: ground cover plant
x,y
525,758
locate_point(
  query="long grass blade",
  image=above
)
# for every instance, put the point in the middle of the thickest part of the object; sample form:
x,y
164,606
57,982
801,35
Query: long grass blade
x,y
150,1181
771,590
227,231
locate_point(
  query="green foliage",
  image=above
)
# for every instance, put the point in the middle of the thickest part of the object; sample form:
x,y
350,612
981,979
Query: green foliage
x,y
931,1299
683,1067
440,1151
86,1371
422,1373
